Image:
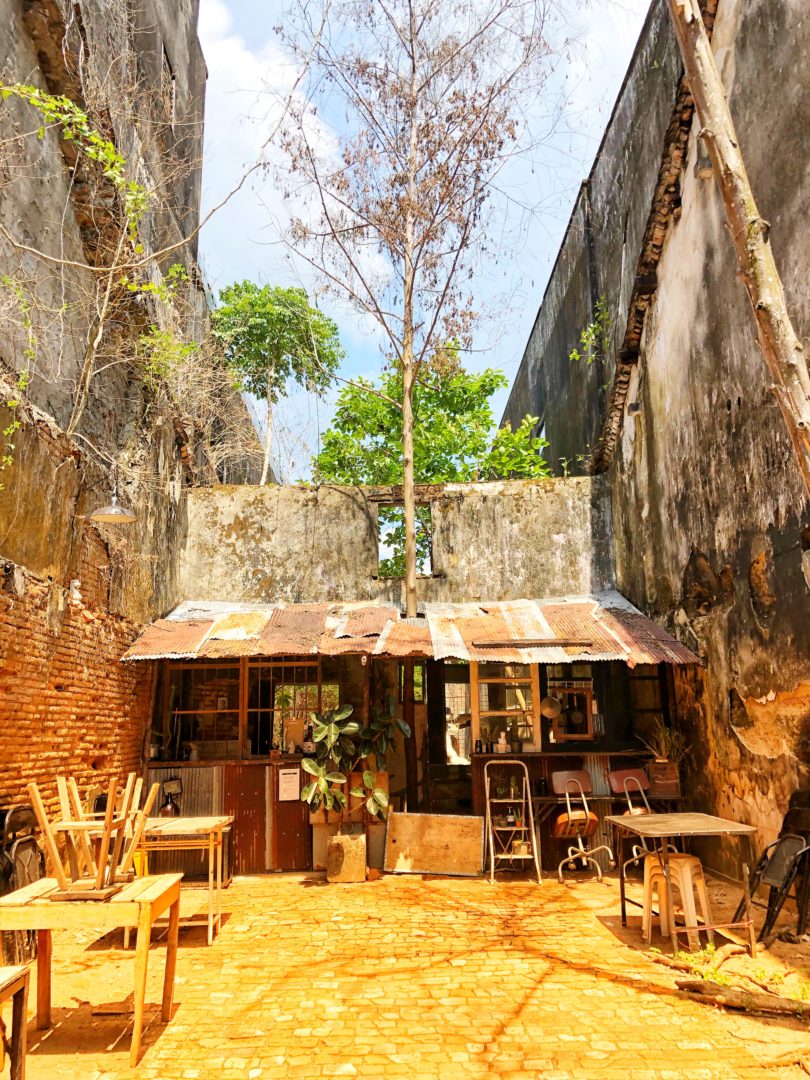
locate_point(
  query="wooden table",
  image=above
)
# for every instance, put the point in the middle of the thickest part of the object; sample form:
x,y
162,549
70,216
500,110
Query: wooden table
x,y
189,834
14,985
138,905
663,829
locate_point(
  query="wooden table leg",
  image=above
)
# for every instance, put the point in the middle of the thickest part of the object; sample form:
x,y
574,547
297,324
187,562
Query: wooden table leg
x,y
219,880
141,964
44,948
19,1034
210,887
171,960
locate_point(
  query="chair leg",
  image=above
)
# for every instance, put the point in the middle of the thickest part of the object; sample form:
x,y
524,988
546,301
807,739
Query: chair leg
x,y
665,916
703,899
690,913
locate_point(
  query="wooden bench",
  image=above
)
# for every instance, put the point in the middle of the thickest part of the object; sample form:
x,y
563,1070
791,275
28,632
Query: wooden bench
x,y
136,905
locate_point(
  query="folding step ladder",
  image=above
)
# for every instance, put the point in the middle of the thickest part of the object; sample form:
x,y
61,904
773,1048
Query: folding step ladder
x,y
508,796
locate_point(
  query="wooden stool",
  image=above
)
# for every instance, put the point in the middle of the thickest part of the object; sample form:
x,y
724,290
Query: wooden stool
x,y
686,875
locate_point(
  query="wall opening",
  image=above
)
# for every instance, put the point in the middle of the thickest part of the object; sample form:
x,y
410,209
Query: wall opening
x,y
391,541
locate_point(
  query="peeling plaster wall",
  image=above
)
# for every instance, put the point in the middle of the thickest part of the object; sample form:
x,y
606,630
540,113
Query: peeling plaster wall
x,y
711,524
494,541
708,503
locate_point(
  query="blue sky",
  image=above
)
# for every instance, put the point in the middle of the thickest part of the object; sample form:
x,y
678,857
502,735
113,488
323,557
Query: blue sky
x,y
248,68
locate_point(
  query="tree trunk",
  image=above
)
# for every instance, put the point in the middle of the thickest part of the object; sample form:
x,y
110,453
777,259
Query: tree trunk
x,y
268,440
408,498
781,348
411,756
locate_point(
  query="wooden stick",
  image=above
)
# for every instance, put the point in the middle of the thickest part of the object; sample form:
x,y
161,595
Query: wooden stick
x,y
78,814
104,847
70,844
47,835
138,830
743,1000
126,803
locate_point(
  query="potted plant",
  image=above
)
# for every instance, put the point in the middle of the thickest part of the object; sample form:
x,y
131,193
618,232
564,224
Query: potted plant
x,y
342,757
669,749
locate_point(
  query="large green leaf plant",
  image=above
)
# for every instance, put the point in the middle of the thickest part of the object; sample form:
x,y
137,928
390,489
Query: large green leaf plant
x,y
343,746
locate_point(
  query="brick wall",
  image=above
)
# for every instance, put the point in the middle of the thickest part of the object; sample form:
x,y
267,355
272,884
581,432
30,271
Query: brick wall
x,y
67,705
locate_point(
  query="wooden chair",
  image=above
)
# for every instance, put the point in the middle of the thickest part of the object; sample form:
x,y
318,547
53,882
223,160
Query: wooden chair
x,y
92,872
578,822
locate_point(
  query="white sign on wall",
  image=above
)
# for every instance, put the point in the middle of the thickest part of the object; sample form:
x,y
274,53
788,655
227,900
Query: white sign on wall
x,y
289,785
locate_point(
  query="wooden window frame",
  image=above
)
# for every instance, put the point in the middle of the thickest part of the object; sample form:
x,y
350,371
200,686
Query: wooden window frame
x,y
532,679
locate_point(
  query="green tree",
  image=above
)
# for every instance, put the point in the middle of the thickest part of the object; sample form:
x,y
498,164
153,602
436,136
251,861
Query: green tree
x,y
272,335
452,441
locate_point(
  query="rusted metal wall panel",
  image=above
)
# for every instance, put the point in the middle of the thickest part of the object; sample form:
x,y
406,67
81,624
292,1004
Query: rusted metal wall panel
x,y
243,796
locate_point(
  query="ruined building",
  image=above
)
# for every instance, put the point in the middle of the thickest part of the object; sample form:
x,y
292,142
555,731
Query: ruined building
x,y
675,413
80,408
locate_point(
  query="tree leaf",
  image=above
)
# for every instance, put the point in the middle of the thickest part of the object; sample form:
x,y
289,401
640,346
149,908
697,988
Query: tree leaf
x,y
336,778
369,778
309,766
380,797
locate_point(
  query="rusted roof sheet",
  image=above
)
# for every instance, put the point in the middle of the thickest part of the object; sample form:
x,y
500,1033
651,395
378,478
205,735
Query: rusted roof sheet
x,y
549,631
405,637
166,639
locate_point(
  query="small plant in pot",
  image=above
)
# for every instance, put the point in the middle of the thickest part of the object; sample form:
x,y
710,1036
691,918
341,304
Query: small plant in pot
x,y
343,750
670,750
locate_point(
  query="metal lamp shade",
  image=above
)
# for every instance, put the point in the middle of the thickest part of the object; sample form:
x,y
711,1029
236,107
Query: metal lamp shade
x,y
114,514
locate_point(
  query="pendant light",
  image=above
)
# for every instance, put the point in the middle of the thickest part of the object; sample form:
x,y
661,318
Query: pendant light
x,y
114,514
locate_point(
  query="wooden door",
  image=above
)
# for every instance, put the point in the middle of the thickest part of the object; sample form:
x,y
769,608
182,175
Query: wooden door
x,y
243,796
290,831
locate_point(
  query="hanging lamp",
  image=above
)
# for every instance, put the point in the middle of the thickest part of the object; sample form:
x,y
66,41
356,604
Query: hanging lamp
x,y
114,514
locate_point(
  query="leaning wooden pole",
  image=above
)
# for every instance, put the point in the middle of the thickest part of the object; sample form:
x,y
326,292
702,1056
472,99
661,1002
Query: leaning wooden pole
x,y
781,348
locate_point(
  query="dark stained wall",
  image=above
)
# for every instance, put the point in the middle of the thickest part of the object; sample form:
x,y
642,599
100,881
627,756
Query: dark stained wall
x,y
710,518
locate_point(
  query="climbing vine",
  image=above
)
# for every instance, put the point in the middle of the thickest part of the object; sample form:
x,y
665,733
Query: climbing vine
x,y
75,128
594,340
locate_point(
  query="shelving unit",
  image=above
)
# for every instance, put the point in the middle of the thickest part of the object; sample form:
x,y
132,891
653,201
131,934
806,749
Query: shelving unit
x,y
502,838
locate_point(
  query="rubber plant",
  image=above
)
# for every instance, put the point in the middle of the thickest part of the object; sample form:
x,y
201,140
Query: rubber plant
x,y
343,747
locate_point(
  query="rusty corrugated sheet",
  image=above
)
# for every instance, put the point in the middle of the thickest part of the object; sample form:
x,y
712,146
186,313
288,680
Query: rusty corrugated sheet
x,y
365,621
404,637
295,630
608,627
167,639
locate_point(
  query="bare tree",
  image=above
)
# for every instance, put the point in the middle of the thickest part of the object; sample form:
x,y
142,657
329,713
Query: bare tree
x,y
432,100
781,348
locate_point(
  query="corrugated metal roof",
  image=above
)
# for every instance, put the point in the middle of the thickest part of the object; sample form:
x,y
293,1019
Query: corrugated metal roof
x,y
548,631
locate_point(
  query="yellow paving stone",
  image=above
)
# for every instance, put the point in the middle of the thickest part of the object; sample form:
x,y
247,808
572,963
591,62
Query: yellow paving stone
x,y
420,979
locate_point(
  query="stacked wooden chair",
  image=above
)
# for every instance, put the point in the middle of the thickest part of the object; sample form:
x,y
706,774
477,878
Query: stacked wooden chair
x,y
100,850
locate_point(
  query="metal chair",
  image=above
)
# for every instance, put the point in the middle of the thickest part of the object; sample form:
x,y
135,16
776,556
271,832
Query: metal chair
x,y
777,868
578,822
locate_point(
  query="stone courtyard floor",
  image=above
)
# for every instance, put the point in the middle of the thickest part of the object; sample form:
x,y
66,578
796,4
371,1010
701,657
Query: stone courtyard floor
x,y
402,977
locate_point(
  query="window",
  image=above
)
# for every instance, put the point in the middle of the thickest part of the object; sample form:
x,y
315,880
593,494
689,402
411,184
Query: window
x,y
505,700
572,686
203,711
391,541
280,700
418,683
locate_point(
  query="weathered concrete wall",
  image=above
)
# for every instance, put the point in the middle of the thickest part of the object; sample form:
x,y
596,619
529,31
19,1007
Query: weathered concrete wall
x,y
710,520
73,595
598,257
501,540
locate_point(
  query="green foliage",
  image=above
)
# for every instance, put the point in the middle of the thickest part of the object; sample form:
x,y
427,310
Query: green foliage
x,y
13,424
74,127
160,353
452,425
271,334
704,965
342,746
666,742
164,290
595,338
453,422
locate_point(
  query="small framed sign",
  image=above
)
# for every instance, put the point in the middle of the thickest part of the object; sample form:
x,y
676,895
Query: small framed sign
x,y
289,785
